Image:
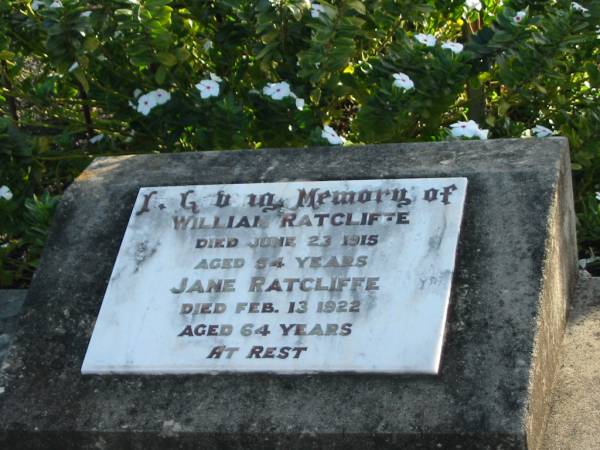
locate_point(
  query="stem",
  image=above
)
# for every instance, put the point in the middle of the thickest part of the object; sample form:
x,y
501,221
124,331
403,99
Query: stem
x,y
475,96
12,102
476,103
85,108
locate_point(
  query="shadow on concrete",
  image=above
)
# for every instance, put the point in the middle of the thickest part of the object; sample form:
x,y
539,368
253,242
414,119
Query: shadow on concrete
x,y
574,421
11,301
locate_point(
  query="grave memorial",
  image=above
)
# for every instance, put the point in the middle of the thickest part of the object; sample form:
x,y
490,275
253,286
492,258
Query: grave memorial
x,y
282,277
394,296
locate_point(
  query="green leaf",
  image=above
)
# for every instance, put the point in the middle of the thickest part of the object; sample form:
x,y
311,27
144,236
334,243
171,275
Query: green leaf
x,y
84,62
315,96
503,108
540,88
91,43
182,54
167,59
80,76
161,74
156,3
141,59
6,55
267,49
357,6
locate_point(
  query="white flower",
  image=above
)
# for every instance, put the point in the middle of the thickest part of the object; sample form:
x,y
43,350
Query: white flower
x,y
277,91
473,4
74,66
129,137
96,138
426,39
468,129
207,45
102,58
455,47
56,4
137,92
86,14
403,81
146,102
541,131
331,136
583,263
216,78
208,88
577,7
36,4
299,101
162,96
598,196
519,17
6,193
117,34
316,9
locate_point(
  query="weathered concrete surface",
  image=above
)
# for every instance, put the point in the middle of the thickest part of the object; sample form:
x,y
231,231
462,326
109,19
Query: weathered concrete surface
x,y
574,422
515,268
11,301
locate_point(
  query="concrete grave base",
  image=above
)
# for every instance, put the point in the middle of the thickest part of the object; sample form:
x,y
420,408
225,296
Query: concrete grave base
x,y
515,270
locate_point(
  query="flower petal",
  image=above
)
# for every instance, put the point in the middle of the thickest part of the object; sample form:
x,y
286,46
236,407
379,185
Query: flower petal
x,y
426,39
6,193
331,136
96,139
277,91
455,47
473,4
162,96
541,131
403,81
577,7
208,88
146,102
519,17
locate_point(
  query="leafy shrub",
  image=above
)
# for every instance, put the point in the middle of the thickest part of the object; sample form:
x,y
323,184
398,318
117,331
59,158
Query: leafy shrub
x,y
80,79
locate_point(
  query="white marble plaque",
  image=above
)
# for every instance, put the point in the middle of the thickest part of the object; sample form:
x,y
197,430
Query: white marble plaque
x,y
321,276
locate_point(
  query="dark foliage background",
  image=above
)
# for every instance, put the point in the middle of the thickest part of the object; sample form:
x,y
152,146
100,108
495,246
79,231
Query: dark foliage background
x,y
72,72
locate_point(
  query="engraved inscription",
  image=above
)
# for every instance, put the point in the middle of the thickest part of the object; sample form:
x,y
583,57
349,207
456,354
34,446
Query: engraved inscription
x,y
332,276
